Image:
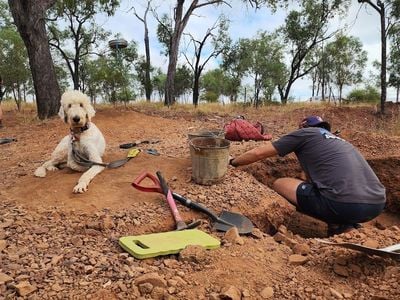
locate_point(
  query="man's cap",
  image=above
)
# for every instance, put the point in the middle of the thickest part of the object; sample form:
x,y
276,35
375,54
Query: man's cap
x,y
314,121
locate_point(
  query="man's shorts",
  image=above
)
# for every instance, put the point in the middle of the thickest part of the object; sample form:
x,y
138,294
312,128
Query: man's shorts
x,y
311,202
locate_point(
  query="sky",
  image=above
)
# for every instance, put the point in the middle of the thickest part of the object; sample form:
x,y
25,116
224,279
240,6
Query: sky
x,y
361,22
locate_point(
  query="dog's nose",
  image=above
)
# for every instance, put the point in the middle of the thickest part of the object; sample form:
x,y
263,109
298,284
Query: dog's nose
x,y
76,119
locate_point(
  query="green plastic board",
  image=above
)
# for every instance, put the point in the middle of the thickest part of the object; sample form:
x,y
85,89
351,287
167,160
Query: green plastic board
x,y
164,243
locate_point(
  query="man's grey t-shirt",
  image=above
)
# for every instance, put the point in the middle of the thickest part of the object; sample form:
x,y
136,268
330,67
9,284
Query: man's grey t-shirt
x,y
333,165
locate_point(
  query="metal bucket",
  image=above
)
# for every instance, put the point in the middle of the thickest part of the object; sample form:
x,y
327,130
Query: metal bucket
x,y
210,158
207,133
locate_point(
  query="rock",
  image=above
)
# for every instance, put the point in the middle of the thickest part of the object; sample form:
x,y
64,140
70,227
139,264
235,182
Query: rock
x,y
5,278
158,293
282,229
302,249
3,245
145,288
230,293
232,236
267,293
340,270
296,259
152,278
371,244
56,259
194,253
257,233
24,288
107,222
56,287
335,293
279,237
246,293
171,263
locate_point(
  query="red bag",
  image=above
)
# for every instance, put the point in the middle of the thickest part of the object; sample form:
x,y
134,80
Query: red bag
x,y
240,129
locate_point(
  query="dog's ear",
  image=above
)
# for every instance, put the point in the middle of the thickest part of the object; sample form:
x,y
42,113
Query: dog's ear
x,y
62,114
90,111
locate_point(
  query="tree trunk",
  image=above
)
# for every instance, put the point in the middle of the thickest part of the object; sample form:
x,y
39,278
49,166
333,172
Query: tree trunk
x,y
397,94
196,84
29,18
383,56
148,86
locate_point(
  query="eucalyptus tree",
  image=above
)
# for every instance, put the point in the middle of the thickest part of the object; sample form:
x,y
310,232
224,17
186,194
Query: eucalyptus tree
x,y
183,81
346,61
143,74
180,19
29,17
73,31
394,60
199,61
303,31
215,83
389,14
158,81
15,74
266,64
146,65
236,59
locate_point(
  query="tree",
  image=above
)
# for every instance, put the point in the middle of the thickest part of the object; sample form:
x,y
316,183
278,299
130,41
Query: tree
x,y
215,83
303,31
14,65
394,60
180,21
158,82
265,64
146,66
368,94
235,61
183,81
346,61
143,73
29,17
80,31
197,64
393,7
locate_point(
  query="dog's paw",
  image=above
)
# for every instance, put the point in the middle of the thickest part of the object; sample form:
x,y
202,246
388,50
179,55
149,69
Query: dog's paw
x,y
80,188
52,168
40,172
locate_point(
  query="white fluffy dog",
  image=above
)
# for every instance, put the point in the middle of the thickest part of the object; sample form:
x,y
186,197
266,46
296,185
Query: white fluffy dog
x,y
85,138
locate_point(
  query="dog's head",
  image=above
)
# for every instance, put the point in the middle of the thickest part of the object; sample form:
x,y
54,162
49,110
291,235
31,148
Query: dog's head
x,y
76,109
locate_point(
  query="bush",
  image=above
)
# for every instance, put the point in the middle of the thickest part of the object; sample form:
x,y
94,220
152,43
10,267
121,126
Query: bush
x,y
210,96
368,94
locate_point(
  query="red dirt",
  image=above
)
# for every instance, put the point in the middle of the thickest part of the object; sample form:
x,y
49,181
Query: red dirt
x,y
66,245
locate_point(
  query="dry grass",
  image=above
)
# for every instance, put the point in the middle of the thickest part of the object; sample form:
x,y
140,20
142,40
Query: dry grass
x,y
289,114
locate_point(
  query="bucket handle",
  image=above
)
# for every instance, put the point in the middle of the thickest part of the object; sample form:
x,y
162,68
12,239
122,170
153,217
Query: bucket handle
x,y
194,147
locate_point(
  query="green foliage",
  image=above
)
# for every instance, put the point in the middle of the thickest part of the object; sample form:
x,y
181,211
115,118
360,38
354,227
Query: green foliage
x,y
368,94
210,96
164,33
73,32
183,80
394,58
109,77
345,61
141,68
158,82
216,83
15,73
303,31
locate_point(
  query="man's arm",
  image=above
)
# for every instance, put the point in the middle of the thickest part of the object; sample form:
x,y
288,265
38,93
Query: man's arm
x,y
253,155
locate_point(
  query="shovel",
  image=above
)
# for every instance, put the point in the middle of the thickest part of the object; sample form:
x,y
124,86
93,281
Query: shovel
x,y
223,222
391,251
